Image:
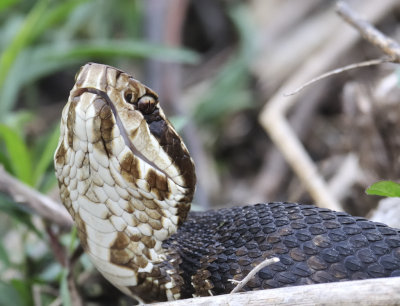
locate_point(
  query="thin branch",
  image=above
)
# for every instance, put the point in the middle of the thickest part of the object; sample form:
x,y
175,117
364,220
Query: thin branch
x,y
244,281
41,204
340,70
369,32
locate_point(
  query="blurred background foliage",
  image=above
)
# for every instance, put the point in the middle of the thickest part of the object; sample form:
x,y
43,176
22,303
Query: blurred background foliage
x,y
214,63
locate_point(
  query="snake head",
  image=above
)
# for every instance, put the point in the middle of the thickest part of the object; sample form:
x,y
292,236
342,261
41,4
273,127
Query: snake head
x,y
119,123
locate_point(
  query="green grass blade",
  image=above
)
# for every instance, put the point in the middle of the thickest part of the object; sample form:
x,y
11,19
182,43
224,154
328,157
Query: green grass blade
x,y
21,39
6,3
18,154
121,47
4,161
384,188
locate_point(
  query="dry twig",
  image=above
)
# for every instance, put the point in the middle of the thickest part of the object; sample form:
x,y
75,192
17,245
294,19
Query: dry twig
x,y
338,71
244,281
370,33
41,204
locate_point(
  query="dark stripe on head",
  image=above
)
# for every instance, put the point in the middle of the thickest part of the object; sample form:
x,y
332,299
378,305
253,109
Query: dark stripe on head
x,y
172,145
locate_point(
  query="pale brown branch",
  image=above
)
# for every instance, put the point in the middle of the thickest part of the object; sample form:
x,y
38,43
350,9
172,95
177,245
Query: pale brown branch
x,y
339,70
383,291
244,281
39,203
369,32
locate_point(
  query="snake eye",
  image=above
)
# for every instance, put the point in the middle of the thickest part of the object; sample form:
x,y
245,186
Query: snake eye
x,y
146,104
128,97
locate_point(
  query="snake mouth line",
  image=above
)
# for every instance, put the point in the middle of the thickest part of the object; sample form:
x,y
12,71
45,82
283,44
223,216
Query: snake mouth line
x,y
121,127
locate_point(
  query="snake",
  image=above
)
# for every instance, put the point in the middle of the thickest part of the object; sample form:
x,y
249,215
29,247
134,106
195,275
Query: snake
x,y
128,180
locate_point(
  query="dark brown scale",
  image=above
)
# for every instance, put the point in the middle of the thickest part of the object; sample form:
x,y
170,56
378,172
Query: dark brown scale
x,y
170,141
314,245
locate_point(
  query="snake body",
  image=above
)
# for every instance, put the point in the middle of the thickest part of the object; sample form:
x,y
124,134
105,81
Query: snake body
x,y
127,179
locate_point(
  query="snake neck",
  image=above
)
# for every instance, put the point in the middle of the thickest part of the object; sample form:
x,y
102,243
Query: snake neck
x,y
125,196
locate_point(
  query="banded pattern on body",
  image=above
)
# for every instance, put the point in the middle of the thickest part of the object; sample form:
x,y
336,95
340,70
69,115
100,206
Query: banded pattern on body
x,y
128,180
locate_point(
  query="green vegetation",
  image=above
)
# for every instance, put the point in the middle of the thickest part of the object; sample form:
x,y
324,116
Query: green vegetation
x,y
385,189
